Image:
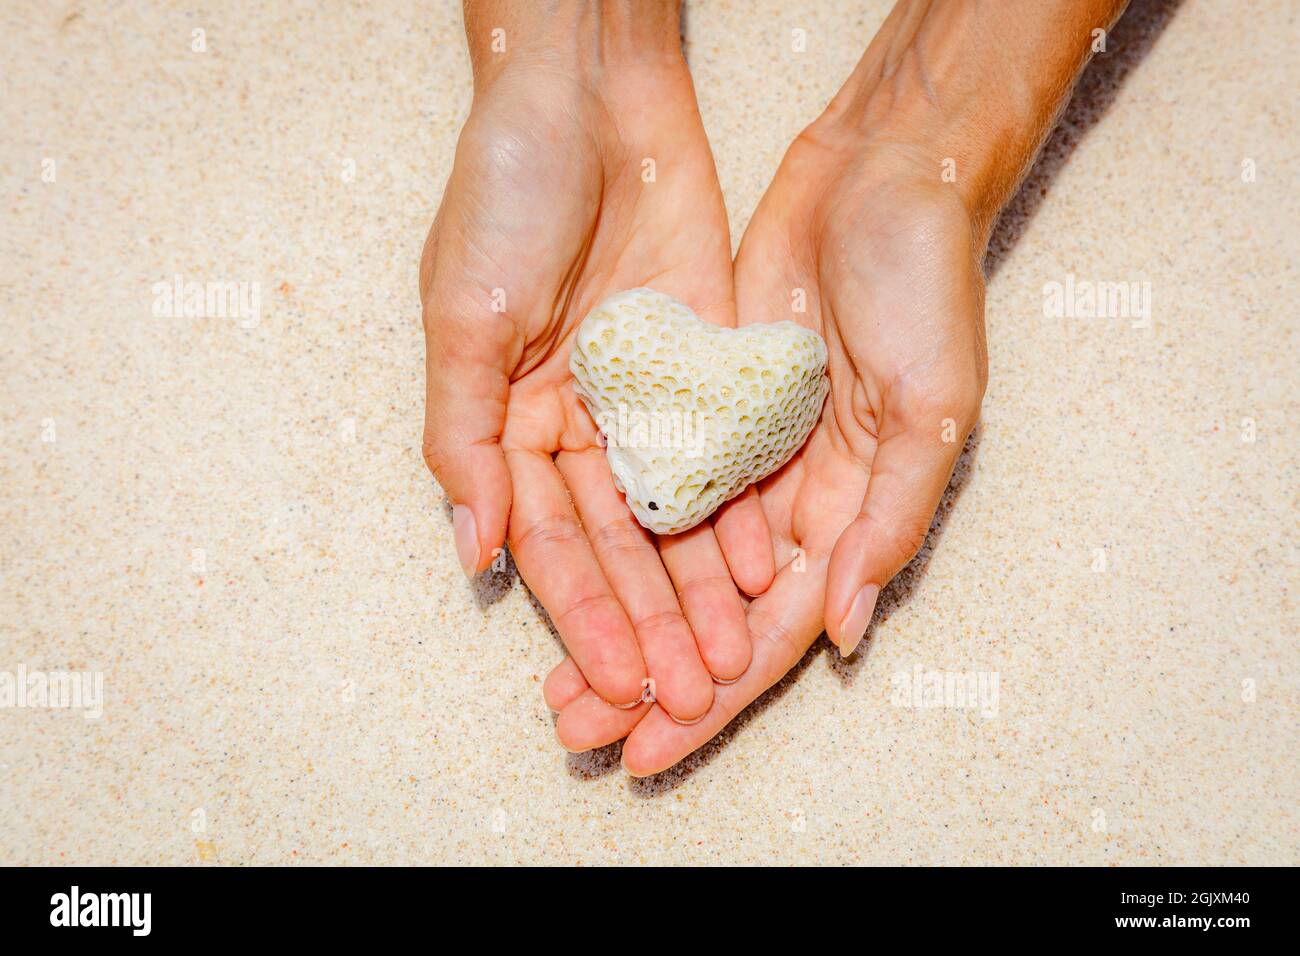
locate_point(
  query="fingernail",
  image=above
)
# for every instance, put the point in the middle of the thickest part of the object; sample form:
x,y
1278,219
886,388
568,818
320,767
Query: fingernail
x,y
466,531
688,723
854,626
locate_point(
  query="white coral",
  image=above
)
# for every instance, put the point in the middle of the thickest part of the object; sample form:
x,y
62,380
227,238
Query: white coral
x,y
693,413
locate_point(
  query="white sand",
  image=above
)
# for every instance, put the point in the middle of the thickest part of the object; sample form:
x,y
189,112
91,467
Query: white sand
x,y
326,686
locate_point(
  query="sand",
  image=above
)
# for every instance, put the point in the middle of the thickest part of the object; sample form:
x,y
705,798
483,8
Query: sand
x,y
229,521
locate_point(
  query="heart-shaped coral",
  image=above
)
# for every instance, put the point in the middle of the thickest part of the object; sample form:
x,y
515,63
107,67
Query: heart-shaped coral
x,y
693,413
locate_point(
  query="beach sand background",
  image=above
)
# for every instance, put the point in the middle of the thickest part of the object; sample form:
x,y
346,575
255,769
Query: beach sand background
x,y
234,527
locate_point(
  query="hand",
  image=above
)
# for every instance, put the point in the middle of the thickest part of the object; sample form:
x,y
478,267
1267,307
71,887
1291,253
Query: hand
x,y
552,205
888,254
888,260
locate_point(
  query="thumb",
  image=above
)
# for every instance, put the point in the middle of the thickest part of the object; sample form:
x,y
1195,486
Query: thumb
x,y
909,473
467,350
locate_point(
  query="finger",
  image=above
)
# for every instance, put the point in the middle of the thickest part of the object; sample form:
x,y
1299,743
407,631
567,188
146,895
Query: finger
x,y
563,685
555,559
709,599
632,566
746,542
784,622
467,349
909,472
588,722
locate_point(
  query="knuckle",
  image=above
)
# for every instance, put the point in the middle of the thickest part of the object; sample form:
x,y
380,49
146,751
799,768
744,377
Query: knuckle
x,y
981,378
554,529
770,629
619,534
967,401
905,539
953,403
586,604
433,457
952,394
660,621
703,587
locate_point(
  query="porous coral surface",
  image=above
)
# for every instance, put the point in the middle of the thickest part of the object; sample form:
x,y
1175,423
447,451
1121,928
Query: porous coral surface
x,y
693,413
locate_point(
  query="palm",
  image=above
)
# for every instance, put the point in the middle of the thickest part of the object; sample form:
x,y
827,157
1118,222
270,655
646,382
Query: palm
x,y
571,214
891,282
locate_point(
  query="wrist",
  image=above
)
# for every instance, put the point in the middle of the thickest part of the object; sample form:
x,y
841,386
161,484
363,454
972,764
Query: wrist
x,y
965,92
899,134
582,40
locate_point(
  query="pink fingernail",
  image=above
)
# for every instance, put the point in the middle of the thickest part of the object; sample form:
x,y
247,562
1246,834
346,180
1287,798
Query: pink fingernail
x,y
854,626
687,723
647,695
466,532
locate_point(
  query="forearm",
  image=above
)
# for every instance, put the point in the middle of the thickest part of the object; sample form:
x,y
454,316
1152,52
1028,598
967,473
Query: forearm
x,y
977,84
580,37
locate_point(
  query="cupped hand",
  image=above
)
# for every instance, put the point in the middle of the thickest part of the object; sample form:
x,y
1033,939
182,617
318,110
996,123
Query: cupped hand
x,y
885,261
566,189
